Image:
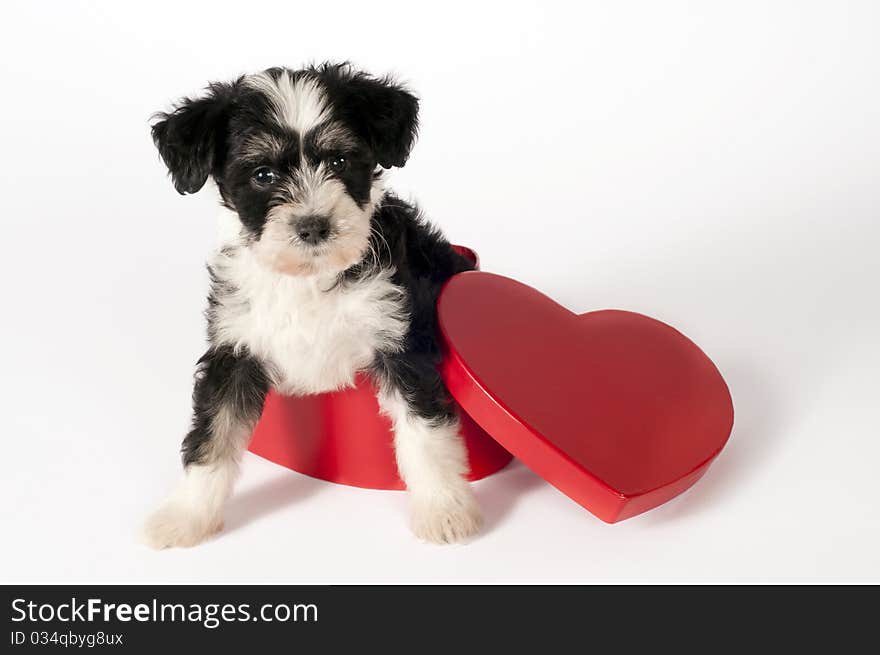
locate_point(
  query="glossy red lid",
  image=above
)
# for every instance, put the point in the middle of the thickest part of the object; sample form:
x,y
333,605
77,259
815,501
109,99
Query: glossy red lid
x,y
619,411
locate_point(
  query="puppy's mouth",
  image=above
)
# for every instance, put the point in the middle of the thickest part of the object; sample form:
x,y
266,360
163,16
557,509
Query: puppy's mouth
x,y
295,256
314,250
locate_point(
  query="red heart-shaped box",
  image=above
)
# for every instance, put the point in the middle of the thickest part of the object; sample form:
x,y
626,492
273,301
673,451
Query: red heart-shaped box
x,y
619,411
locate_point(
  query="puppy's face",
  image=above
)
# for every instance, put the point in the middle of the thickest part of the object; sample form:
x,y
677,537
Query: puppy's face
x,y
295,154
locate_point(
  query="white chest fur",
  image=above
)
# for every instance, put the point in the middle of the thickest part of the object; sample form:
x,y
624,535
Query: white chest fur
x,y
312,340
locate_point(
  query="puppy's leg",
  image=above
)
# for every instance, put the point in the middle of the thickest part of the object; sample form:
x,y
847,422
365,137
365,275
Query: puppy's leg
x,y
431,457
227,401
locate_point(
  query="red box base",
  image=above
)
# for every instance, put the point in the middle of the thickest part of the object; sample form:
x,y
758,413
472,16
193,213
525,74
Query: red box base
x,y
341,437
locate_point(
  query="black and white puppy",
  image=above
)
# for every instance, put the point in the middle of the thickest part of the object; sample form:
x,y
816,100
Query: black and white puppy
x,y
322,274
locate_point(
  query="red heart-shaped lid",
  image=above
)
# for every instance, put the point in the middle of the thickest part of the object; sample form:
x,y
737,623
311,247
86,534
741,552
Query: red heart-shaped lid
x,y
617,410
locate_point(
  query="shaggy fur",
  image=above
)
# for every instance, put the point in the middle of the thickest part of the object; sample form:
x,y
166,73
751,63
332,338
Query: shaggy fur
x,y
324,275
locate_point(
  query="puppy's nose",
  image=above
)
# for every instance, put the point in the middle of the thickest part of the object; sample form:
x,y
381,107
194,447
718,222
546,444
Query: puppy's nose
x,y
313,229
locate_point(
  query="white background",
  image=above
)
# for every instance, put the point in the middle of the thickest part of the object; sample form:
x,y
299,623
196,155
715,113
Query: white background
x,y
714,165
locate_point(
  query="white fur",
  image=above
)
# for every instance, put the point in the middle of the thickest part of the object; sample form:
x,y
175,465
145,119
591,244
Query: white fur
x,y
194,511
299,104
314,340
432,460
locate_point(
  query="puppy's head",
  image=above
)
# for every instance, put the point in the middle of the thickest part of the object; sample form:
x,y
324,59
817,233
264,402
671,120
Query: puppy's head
x,y
297,155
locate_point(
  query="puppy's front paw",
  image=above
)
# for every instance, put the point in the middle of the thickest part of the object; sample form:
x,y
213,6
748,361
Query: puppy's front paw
x,y
177,526
445,519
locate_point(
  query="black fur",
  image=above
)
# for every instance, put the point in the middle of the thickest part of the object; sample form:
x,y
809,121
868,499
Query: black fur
x,y
224,381
423,260
192,138
381,111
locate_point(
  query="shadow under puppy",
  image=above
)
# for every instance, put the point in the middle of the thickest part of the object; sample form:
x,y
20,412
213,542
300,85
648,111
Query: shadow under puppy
x,y
322,274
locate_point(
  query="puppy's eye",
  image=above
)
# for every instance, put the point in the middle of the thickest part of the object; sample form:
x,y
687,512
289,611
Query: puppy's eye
x,y
264,176
337,163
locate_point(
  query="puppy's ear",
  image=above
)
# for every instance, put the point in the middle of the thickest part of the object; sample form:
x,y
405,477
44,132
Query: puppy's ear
x,y
192,138
381,111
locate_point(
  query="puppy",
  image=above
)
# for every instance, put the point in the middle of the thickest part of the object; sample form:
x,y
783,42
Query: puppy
x,y
323,274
